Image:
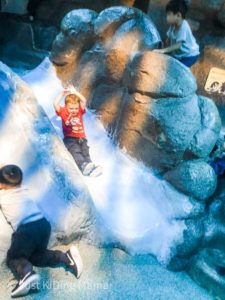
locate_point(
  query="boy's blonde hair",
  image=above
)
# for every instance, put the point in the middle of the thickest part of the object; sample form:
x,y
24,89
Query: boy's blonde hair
x,y
71,98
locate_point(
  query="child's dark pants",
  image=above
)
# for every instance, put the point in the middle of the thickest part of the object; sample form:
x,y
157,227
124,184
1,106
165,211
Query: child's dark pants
x,y
189,61
79,149
29,247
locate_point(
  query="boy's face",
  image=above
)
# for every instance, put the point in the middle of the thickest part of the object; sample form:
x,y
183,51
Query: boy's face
x,y
173,19
72,108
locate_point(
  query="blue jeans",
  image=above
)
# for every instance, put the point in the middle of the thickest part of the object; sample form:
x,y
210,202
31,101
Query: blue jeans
x,y
219,166
189,61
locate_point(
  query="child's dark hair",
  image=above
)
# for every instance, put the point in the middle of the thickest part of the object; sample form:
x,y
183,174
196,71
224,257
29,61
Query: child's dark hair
x,y
177,6
11,175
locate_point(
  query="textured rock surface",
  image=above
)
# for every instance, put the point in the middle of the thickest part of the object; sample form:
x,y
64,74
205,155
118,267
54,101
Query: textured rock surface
x,y
158,76
205,268
210,128
76,26
113,37
189,177
110,274
153,110
193,236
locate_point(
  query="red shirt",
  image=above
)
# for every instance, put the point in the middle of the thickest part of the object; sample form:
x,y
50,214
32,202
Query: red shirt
x,y
72,124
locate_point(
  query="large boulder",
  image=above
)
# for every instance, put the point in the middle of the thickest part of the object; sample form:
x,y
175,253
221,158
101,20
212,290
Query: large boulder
x,y
207,266
153,108
192,237
207,269
109,20
76,25
210,128
194,178
158,76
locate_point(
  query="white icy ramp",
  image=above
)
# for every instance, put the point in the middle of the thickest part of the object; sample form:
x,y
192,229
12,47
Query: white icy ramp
x,y
28,139
140,209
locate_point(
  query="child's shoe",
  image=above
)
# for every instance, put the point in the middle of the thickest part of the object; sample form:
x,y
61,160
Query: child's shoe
x,y
87,168
96,171
28,282
75,260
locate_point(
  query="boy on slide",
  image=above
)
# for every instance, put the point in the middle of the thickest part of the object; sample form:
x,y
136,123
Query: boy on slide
x,y
73,129
31,235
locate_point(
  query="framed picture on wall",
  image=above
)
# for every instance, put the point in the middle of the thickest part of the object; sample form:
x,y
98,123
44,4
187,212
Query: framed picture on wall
x,y
215,83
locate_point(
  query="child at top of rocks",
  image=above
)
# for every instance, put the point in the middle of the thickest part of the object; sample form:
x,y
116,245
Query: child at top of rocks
x,y
180,42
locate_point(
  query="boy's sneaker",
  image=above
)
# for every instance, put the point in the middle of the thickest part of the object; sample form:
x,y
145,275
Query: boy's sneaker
x,y
96,171
75,260
87,168
28,282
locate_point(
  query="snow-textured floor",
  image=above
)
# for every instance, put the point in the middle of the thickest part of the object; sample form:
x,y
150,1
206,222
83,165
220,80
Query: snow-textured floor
x,y
113,275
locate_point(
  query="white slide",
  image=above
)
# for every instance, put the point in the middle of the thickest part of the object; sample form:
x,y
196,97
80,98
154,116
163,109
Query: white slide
x,y
140,209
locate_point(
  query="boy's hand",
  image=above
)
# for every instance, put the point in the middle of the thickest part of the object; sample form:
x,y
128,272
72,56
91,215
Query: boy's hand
x,y
71,90
66,92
